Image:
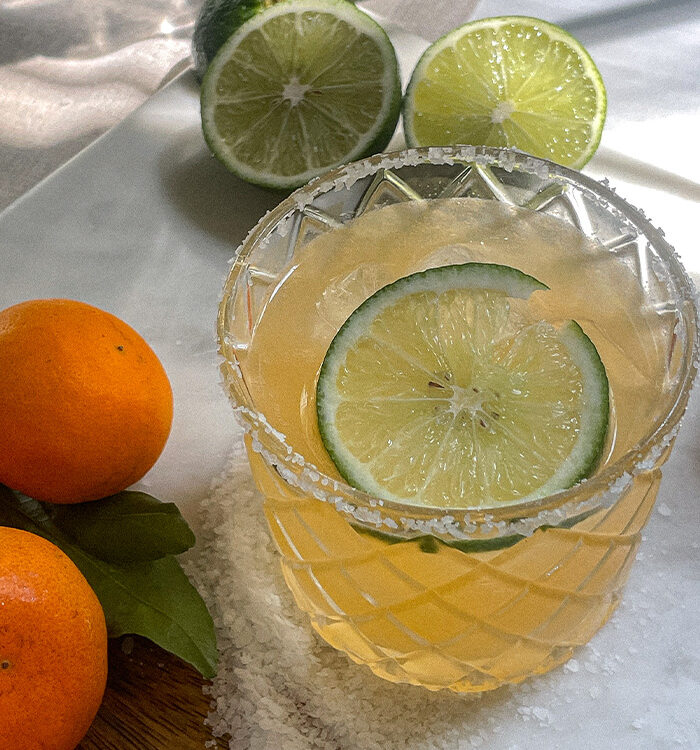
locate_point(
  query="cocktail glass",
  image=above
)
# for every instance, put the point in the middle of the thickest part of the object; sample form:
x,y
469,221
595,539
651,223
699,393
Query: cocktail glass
x,y
464,598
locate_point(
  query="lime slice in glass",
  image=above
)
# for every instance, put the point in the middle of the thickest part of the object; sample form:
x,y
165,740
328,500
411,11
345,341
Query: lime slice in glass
x,y
440,390
510,81
298,88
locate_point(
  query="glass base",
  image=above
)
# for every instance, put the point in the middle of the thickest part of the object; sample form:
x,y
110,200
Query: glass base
x,y
435,616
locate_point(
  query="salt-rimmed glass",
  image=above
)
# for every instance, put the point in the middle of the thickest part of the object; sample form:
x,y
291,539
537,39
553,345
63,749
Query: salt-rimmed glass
x,y
460,598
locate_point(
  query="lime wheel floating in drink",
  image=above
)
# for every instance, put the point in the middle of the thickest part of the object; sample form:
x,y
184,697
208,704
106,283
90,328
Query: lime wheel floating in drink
x,y
438,390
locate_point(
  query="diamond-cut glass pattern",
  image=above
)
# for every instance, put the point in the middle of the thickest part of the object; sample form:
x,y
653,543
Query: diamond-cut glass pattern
x,y
450,619
433,615
274,253
458,622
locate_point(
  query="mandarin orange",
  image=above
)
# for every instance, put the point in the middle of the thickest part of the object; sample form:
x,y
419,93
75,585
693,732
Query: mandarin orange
x,y
53,646
85,404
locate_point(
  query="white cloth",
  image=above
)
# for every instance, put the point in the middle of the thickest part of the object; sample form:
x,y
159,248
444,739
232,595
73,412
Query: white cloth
x,y
428,20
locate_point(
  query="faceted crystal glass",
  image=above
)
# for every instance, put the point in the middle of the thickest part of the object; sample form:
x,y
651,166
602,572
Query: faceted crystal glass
x,y
464,598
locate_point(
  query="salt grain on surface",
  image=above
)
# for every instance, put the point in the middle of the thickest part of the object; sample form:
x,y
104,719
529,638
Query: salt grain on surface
x,y
543,715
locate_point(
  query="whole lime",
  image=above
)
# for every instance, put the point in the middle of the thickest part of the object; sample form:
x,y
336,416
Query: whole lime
x,y
217,20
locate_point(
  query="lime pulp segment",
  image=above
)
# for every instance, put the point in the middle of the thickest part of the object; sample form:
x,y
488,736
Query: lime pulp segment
x,y
438,390
511,81
298,88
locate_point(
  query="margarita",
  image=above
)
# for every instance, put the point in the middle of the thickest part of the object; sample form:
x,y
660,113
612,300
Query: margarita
x,y
477,592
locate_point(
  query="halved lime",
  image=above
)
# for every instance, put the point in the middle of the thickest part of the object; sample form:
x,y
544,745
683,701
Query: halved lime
x,y
441,390
301,86
509,81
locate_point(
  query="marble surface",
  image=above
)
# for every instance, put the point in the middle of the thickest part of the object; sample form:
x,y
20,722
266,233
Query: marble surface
x,y
143,222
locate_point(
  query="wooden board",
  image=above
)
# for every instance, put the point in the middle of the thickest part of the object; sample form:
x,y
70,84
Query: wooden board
x,y
153,701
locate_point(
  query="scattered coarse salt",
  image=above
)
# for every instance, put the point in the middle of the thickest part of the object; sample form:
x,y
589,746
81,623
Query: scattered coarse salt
x,y
543,715
663,510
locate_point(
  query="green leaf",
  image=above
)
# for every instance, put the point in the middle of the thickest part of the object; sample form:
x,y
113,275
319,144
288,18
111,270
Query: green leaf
x,y
156,600
153,599
125,528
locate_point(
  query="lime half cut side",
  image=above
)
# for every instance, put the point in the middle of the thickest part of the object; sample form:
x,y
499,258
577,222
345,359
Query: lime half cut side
x,y
440,390
298,88
511,81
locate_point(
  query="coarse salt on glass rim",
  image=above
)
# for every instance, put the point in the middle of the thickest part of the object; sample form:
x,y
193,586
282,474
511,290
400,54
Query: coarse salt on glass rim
x,y
585,197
